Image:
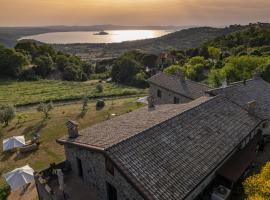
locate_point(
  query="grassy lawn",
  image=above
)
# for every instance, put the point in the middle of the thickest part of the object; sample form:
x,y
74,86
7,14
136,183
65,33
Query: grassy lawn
x,y
26,92
53,128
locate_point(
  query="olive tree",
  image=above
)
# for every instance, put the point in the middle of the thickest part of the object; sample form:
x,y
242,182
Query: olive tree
x,y
45,108
7,113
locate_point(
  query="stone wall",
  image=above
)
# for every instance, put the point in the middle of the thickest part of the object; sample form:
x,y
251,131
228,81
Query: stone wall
x,y
167,95
96,176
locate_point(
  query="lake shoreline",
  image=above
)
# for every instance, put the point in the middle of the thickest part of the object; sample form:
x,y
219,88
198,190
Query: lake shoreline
x,y
91,37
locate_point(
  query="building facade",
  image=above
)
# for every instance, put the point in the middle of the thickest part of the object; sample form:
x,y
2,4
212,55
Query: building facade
x,y
170,89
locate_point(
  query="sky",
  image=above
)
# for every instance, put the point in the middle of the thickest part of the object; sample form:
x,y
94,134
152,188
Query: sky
x,y
133,12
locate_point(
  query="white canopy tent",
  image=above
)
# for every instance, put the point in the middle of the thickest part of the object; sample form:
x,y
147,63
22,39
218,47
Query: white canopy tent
x,y
19,177
13,142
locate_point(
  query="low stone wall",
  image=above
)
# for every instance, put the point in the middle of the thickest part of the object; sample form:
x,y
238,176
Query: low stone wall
x,y
44,191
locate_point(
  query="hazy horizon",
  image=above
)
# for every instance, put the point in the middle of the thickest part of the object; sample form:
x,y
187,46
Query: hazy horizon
x,y
132,13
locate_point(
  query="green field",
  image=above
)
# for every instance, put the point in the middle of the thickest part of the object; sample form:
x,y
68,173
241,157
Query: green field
x,y
27,92
54,128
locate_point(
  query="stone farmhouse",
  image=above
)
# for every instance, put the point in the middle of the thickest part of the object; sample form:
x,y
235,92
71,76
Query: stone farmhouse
x,y
195,150
170,89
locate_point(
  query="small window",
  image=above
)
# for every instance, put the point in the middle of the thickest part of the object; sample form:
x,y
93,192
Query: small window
x,y
159,94
176,100
80,167
109,166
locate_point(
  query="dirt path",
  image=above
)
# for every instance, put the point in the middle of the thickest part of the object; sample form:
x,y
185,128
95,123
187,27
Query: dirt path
x,y
76,101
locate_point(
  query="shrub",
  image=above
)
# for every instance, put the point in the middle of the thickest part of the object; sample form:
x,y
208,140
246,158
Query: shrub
x,y
4,192
45,109
99,88
84,106
7,113
100,104
258,186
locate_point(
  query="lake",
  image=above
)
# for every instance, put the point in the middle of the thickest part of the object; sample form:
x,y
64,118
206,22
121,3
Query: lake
x,y
114,36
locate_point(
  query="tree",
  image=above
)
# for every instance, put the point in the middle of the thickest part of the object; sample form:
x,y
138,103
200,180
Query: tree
x,y
173,69
61,61
257,187
44,65
204,52
45,108
84,106
12,62
242,68
7,113
214,53
125,69
73,72
215,78
99,88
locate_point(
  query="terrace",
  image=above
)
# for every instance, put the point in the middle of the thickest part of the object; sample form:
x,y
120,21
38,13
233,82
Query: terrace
x,y
74,187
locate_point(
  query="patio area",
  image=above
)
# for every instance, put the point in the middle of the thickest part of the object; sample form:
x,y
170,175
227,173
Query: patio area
x,y
74,189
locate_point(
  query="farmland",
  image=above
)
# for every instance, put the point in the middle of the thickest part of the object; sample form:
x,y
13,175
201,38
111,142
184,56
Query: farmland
x,y
54,128
30,92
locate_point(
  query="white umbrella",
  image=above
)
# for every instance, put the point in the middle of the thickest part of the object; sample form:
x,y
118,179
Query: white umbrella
x,y
142,100
13,142
19,177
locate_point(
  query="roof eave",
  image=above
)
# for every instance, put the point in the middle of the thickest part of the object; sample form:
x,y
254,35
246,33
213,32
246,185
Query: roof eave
x,y
87,146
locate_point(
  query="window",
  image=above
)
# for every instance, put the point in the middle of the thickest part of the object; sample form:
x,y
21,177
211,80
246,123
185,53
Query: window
x,y
159,94
109,166
176,100
80,168
111,192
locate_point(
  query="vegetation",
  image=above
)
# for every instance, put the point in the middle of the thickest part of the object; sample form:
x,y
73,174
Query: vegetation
x,y
257,187
45,108
181,40
7,113
27,92
234,57
99,88
53,128
30,61
84,106
4,191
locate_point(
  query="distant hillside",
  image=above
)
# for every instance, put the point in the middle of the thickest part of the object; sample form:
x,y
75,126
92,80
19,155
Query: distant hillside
x,y
10,35
184,39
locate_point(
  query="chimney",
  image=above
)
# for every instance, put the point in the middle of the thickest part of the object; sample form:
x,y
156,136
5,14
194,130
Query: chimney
x,y
251,106
151,102
72,127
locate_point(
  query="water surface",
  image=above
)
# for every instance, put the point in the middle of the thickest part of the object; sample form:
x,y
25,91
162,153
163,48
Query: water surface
x,y
114,36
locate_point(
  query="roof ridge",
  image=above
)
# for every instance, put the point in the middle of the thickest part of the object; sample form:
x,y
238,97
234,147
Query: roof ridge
x,y
178,79
233,84
187,110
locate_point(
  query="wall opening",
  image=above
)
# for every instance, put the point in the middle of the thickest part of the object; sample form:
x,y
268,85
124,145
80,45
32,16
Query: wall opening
x,y
80,168
111,192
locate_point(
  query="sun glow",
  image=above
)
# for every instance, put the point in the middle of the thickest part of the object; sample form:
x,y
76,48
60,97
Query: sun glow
x,y
132,12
